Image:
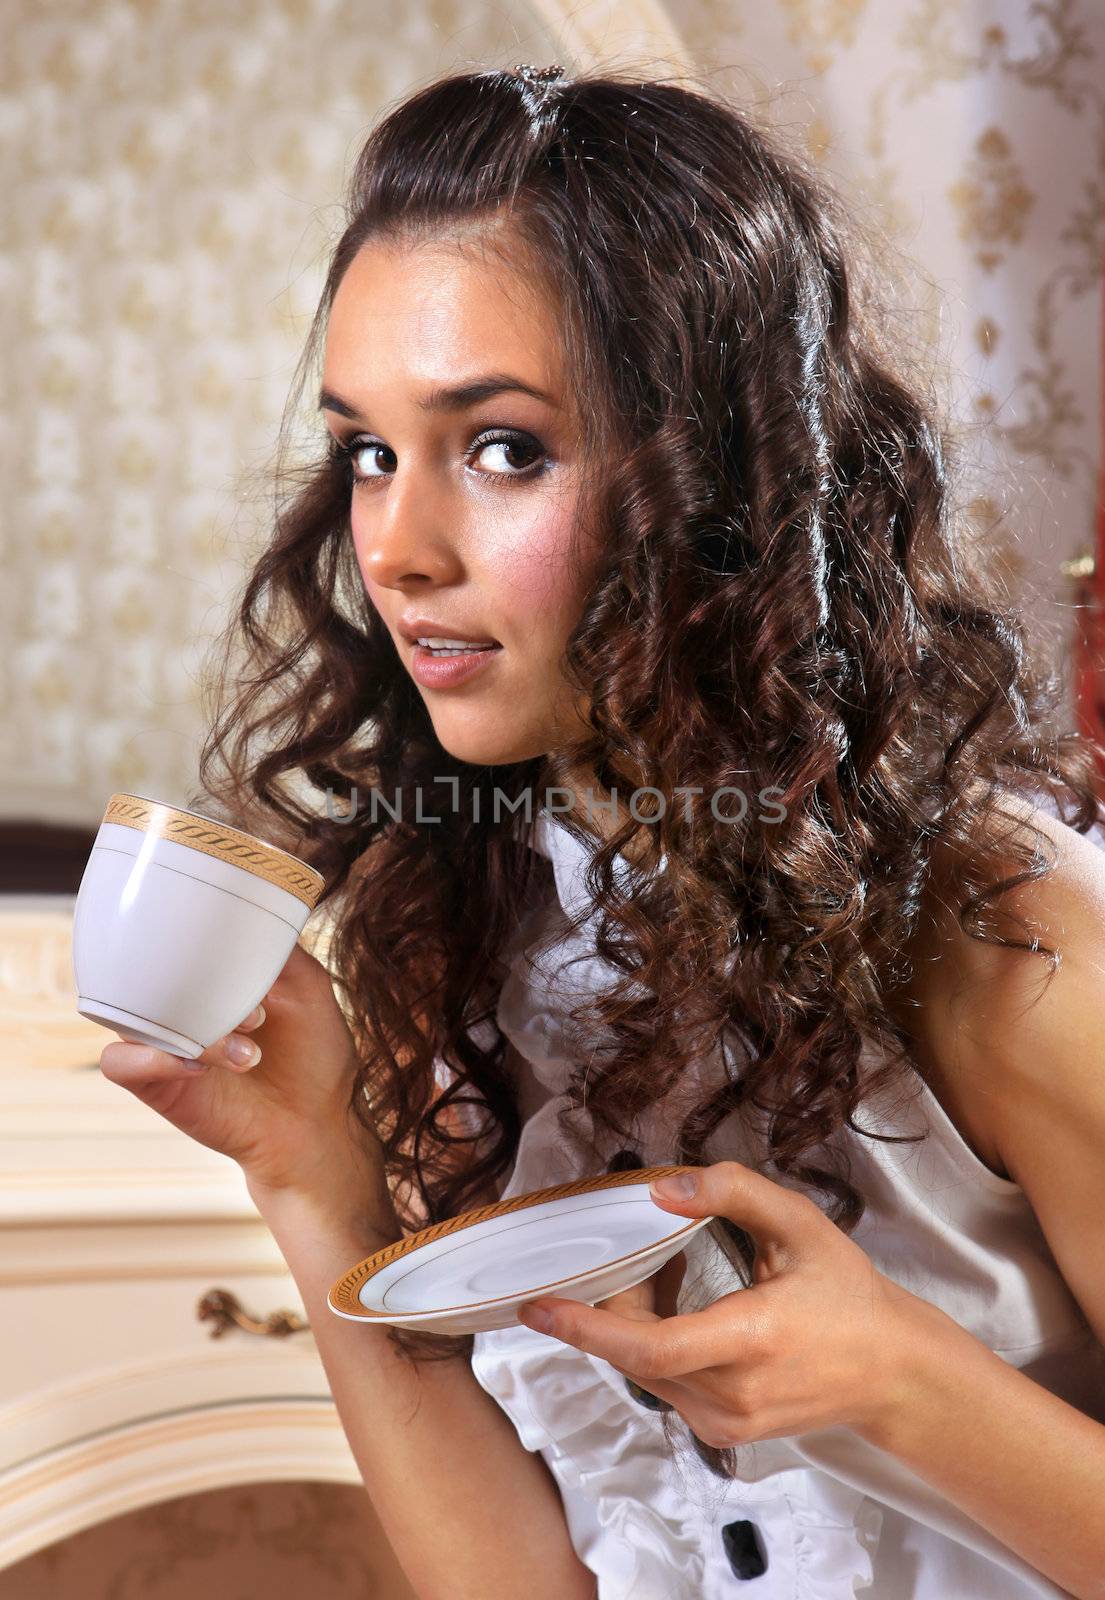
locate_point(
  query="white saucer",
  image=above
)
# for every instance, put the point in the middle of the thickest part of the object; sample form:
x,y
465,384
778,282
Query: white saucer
x,y
583,1241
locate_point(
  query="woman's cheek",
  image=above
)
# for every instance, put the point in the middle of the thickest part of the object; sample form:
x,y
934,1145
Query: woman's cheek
x,y
534,570
358,531
526,568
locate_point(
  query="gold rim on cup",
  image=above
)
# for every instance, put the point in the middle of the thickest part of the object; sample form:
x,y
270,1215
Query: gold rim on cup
x,y
218,839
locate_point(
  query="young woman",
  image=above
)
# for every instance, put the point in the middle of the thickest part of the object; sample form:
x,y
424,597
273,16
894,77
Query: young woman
x,y
745,841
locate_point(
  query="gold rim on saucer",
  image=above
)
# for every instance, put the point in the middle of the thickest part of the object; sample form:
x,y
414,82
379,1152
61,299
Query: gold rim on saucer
x,y
344,1294
220,840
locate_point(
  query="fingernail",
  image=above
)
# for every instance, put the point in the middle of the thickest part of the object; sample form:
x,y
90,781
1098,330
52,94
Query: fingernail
x,y
246,1052
196,1066
259,1013
537,1317
679,1186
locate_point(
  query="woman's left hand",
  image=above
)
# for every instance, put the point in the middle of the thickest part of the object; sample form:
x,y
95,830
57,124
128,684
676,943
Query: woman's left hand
x,y
817,1340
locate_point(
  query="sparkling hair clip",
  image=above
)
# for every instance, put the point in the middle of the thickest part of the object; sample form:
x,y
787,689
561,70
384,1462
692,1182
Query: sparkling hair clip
x,y
538,75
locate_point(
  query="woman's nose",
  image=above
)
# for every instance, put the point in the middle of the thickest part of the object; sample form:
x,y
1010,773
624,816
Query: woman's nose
x,y
406,538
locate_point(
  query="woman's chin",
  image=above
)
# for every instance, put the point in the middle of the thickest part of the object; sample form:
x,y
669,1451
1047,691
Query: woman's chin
x,y
487,747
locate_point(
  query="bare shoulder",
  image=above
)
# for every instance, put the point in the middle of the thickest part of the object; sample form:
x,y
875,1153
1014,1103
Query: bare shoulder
x,y
1063,909
986,1021
1017,1054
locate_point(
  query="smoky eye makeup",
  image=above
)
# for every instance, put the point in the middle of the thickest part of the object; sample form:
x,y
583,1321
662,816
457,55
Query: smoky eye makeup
x,y
520,455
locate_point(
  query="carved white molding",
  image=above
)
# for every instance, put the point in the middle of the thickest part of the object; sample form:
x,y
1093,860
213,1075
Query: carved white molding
x,y
38,998
109,1397
286,1440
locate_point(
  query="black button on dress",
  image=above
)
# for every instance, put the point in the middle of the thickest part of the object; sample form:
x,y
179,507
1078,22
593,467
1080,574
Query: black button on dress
x,y
741,1540
744,1547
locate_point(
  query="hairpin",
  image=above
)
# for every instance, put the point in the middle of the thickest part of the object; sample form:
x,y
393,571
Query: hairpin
x,y
533,74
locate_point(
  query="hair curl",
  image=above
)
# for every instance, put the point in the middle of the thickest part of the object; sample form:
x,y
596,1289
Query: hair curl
x,y
787,603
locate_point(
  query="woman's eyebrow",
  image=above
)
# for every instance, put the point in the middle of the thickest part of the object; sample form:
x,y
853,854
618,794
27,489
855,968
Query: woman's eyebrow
x,y
453,397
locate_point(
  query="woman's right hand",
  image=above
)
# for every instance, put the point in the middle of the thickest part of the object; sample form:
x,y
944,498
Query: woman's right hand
x,y
286,1120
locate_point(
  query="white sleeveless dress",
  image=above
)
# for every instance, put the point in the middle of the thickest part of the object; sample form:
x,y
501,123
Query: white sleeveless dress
x,y
824,1514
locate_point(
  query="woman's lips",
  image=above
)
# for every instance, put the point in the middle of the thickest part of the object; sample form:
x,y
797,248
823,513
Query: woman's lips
x,y
442,672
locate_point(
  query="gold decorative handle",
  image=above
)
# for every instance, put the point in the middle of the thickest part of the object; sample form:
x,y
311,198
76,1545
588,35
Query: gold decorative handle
x,y
225,1311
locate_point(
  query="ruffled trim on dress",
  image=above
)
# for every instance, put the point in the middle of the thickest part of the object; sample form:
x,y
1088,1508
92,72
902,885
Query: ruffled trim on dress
x,y
636,1520
836,1535
642,1531
646,1523
628,1521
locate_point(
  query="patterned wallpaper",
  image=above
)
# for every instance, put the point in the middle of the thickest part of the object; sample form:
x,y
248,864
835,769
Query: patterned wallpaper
x,y
971,137
175,173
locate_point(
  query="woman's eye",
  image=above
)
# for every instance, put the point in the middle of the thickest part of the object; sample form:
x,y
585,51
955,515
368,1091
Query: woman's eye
x,y
512,446
362,456
518,456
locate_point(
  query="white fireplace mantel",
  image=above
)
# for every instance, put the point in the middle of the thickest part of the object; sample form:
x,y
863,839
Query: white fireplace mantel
x,y
113,1226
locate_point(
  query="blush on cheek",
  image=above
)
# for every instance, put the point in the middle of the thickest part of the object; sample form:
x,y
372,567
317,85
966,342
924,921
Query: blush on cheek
x,y
535,570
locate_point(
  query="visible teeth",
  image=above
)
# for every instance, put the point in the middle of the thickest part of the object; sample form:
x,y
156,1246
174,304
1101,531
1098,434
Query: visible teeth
x,y
454,644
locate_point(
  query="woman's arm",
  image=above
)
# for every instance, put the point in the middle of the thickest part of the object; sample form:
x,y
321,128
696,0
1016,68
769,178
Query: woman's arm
x,y
470,1513
1022,1462
1023,1052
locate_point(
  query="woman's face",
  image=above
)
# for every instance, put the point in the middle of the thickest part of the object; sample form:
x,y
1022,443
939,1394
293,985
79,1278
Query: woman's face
x,y
462,514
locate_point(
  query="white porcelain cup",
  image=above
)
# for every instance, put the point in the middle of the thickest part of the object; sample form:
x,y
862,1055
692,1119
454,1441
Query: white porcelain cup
x,y
182,924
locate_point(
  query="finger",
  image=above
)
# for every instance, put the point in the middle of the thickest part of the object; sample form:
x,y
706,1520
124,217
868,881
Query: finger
x,y
130,1064
770,1212
669,1281
733,1329
671,1396
655,1296
640,1303
134,1066
236,1051
639,1300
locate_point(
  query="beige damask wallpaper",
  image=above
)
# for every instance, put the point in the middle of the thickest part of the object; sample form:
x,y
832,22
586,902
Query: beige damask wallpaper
x,y
172,174
972,136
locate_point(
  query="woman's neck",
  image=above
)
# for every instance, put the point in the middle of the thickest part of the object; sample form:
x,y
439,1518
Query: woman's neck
x,y
594,809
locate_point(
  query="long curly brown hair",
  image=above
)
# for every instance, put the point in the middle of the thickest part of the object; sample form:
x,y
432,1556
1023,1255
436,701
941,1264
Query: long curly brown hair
x,y
789,604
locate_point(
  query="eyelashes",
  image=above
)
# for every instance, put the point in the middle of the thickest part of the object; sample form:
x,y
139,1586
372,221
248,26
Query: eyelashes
x,y
346,452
